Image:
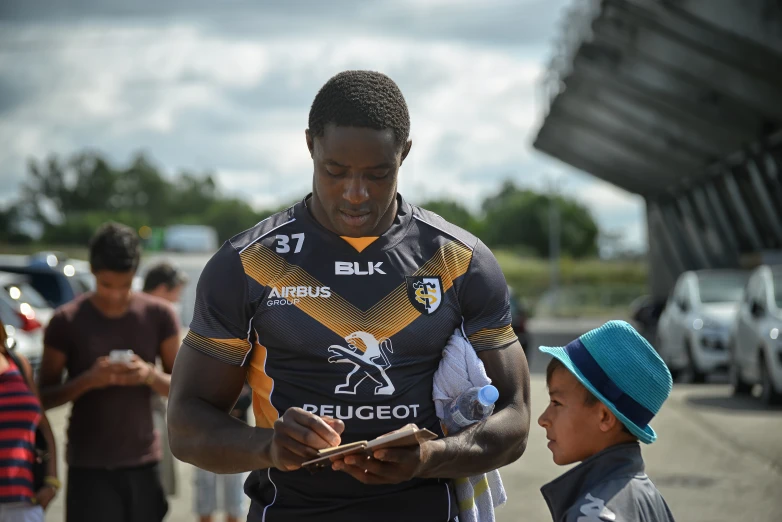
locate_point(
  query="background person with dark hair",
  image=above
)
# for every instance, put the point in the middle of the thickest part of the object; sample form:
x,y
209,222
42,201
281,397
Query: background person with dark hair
x,y
112,450
337,311
166,281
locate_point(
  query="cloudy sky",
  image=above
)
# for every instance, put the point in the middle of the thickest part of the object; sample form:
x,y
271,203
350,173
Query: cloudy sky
x,y
226,86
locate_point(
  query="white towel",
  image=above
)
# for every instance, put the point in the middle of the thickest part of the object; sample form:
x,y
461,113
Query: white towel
x,y
461,369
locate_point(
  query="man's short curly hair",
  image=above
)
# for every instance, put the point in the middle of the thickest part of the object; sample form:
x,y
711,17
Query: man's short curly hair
x,y
361,99
115,247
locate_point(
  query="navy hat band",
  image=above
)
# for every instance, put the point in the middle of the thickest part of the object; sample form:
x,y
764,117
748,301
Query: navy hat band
x,y
586,364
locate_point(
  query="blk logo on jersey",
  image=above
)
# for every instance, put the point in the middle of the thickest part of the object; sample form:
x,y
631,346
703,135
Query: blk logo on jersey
x,y
369,358
425,293
356,268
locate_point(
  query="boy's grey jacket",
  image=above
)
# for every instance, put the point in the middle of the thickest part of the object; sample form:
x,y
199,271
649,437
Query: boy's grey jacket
x,y
609,486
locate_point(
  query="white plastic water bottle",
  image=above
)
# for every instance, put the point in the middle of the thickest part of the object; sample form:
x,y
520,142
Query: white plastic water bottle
x,y
473,405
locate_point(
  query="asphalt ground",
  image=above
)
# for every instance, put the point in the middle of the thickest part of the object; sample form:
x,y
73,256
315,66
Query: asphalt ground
x,y
718,458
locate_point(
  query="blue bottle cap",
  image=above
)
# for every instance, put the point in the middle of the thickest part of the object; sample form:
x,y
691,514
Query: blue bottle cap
x,y
488,395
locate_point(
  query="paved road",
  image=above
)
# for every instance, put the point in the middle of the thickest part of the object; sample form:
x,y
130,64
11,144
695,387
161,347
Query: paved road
x,y
717,458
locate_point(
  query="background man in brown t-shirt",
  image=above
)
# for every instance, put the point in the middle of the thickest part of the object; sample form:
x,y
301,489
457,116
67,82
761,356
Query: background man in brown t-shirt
x,y
112,450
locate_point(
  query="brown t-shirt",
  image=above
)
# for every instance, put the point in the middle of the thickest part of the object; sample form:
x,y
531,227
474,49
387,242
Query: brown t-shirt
x,y
111,427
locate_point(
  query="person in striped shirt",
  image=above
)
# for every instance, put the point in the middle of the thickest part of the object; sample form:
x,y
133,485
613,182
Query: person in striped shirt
x,y
20,416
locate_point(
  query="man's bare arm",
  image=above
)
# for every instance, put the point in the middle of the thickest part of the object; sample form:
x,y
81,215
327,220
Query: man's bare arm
x,y
200,429
202,432
56,393
500,440
161,380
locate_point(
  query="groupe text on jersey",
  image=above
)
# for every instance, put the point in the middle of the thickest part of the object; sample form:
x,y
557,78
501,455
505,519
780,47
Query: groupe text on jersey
x,y
351,328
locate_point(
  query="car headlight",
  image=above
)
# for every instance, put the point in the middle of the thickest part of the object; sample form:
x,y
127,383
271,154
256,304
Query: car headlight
x,y
774,333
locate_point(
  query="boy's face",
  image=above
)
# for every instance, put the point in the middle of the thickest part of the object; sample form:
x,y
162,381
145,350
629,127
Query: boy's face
x,y
112,289
572,427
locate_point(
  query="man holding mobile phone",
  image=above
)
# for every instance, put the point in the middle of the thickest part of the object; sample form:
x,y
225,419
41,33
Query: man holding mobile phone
x,y
112,450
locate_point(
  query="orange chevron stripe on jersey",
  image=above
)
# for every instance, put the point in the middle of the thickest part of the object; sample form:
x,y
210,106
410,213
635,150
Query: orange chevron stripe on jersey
x,y
491,337
232,351
387,317
262,385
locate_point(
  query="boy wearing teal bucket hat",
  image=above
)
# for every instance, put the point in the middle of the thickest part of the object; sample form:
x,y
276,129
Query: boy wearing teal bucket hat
x,y
604,388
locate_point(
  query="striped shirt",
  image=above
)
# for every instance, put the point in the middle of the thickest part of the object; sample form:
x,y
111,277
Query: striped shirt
x,y
20,413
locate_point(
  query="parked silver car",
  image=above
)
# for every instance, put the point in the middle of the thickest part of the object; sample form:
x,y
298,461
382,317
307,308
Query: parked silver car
x,y
692,334
756,338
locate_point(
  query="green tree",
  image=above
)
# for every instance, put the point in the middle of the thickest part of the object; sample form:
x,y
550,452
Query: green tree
x,y
78,227
455,213
514,217
10,220
57,189
144,189
70,199
193,193
231,216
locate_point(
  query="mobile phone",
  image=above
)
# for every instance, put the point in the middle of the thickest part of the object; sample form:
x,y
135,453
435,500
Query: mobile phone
x,y
120,356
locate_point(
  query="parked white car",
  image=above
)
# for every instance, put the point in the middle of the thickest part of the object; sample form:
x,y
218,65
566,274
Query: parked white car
x,y
693,331
756,339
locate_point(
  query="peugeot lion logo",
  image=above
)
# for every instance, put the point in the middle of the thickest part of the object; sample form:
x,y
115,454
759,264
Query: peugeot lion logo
x,y
370,362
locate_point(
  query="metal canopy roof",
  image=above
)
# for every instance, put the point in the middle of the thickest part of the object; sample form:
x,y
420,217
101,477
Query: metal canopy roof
x,y
647,94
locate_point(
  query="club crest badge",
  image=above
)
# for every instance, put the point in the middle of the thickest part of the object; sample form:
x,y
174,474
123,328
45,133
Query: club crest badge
x,y
425,293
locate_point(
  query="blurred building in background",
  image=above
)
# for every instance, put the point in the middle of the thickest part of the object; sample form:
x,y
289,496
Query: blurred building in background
x,y
678,101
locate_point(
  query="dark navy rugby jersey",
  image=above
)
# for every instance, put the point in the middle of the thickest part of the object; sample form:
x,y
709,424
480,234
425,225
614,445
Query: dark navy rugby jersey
x,y
352,332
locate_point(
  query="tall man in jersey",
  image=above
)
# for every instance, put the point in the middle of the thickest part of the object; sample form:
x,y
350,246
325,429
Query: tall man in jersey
x,y
337,311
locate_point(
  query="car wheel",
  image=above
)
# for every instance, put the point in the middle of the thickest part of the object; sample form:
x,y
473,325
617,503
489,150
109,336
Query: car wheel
x,y
768,395
740,386
696,374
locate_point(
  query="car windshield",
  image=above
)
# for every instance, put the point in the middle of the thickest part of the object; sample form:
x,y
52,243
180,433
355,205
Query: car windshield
x,y
23,292
722,288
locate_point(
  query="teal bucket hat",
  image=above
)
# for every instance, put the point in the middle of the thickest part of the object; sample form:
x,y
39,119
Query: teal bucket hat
x,y
619,367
